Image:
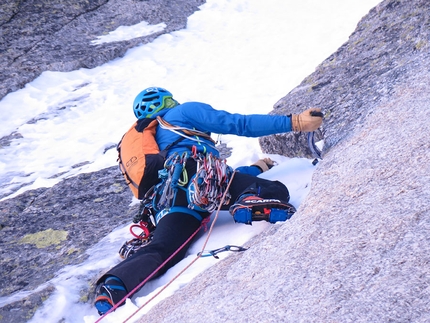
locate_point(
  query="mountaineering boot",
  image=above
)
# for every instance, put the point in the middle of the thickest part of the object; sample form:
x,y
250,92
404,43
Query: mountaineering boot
x,y
249,207
109,293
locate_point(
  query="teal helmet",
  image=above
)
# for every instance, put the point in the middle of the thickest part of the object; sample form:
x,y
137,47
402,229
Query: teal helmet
x,y
152,100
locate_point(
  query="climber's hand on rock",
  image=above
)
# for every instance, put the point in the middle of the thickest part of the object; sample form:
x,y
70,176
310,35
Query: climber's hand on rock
x,y
307,121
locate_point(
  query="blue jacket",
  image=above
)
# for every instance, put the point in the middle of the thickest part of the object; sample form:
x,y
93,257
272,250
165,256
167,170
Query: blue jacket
x,y
202,117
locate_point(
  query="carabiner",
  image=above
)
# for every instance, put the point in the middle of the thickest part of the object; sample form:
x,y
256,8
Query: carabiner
x,y
315,150
208,253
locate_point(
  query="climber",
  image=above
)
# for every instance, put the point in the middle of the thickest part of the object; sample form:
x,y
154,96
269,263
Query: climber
x,y
248,194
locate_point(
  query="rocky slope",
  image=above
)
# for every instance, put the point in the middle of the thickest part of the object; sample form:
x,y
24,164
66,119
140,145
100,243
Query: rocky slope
x,y
41,35
44,230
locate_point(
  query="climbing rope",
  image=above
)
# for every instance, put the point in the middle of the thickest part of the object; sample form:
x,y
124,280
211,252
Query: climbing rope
x,y
191,134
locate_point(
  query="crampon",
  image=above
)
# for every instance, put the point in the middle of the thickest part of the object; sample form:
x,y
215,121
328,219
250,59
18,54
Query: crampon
x,y
254,208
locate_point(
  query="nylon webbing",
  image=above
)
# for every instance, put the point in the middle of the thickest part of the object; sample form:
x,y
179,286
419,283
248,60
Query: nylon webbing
x,y
186,131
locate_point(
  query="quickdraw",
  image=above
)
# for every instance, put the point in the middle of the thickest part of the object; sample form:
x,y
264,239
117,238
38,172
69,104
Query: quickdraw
x,y
173,176
146,212
213,253
316,152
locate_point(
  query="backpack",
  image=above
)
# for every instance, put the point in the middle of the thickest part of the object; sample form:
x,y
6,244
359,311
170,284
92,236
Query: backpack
x,y
140,158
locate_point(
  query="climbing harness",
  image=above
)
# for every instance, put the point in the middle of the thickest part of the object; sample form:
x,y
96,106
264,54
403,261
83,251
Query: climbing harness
x,y
208,184
205,188
204,193
208,253
316,152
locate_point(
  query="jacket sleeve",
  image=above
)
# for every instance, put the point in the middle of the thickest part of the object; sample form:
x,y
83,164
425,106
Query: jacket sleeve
x,y
205,118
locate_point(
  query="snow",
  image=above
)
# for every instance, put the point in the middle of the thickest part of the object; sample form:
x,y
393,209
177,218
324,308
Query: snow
x,y
129,32
240,56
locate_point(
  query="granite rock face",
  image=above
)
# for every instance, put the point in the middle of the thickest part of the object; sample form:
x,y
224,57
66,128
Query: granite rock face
x,y
41,35
357,250
387,48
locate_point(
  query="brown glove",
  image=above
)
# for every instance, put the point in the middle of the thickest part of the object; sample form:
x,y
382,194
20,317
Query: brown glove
x,y
307,121
264,164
